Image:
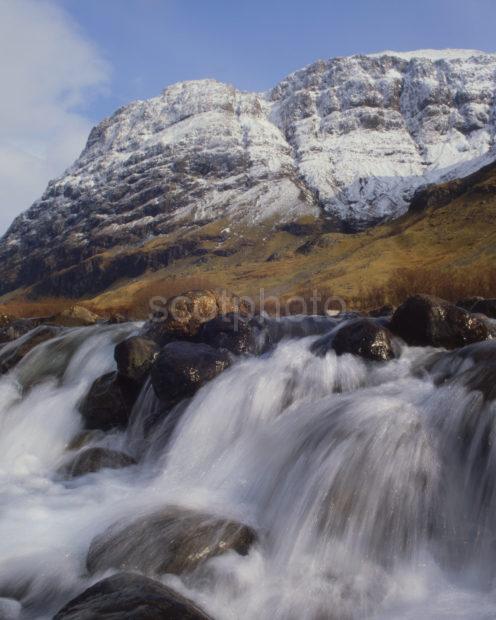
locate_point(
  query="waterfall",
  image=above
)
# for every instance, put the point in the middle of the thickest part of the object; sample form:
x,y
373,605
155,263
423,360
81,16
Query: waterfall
x,y
370,486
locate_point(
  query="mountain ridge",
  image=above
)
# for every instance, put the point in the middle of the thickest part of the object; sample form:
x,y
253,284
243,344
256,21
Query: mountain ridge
x,y
348,141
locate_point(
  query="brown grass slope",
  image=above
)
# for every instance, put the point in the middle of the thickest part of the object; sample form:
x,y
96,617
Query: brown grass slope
x,y
445,244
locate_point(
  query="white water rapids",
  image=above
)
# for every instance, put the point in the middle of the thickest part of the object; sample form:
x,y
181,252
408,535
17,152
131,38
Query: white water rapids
x,y
369,498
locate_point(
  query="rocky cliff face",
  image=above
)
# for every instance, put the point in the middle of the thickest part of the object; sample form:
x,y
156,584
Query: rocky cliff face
x,y
348,140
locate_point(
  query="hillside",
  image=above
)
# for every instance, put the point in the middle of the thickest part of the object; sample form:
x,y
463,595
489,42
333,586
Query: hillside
x,y
448,229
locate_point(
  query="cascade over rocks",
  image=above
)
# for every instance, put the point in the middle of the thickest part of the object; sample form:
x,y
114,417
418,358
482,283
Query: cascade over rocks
x,y
424,320
92,460
135,356
109,402
173,540
183,315
473,366
181,369
363,337
12,328
12,353
298,326
128,596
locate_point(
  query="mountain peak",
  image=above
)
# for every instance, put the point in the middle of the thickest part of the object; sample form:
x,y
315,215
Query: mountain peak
x,y
434,54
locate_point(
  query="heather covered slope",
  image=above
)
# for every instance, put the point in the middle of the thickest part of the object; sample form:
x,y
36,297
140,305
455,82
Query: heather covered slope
x,y
450,229
179,180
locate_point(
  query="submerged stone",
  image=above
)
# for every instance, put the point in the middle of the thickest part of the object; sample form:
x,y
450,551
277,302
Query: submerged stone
x,y
94,459
173,540
129,596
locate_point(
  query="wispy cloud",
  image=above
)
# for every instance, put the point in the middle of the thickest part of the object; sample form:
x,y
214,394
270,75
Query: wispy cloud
x,y
47,72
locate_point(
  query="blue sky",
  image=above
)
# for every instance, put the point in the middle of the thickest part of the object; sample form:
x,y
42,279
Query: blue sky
x,y
153,43
66,64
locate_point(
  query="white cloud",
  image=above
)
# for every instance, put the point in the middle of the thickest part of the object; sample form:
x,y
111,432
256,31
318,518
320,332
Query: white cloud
x,y
47,69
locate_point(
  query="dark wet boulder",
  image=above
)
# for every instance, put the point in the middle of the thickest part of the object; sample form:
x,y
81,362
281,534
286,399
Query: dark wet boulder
x,y
183,315
127,596
94,459
235,333
109,402
135,356
485,306
424,320
467,303
182,368
174,540
363,337
13,352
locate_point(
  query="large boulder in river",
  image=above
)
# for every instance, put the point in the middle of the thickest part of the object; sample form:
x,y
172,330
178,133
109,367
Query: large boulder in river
x,y
13,352
94,459
184,314
135,356
181,369
129,596
174,540
233,332
485,306
109,402
424,320
363,337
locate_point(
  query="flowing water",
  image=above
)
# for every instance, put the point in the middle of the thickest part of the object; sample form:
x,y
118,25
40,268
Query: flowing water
x,y
371,489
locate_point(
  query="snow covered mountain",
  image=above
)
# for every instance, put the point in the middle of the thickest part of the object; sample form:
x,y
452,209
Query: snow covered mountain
x,y
348,139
